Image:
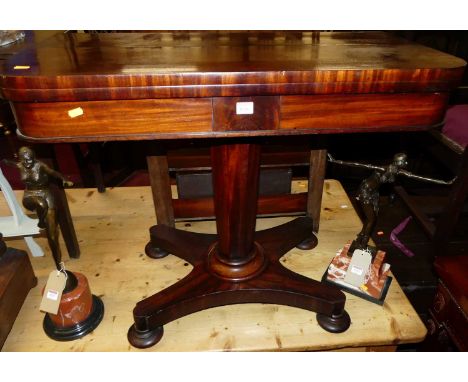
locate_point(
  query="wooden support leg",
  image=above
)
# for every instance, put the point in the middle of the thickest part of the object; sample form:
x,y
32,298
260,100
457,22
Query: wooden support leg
x,y
162,197
66,222
318,162
95,164
161,188
238,265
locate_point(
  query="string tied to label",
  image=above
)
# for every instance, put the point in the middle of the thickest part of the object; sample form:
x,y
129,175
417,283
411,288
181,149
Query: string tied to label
x,y
62,269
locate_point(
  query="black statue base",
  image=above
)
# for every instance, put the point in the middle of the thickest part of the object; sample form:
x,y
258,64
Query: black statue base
x,y
79,330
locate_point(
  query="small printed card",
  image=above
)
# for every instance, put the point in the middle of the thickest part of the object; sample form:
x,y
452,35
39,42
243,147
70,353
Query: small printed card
x,y
53,292
358,268
76,112
244,107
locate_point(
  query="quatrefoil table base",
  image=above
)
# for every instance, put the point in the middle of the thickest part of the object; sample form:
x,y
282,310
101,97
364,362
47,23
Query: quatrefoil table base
x,y
238,265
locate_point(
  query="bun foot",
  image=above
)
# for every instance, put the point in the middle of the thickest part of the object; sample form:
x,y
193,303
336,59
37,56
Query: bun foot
x,y
144,339
155,252
336,323
309,243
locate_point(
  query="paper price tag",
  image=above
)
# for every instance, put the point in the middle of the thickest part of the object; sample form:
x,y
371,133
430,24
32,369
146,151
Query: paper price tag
x,y
73,113
53,292
358,267
244,107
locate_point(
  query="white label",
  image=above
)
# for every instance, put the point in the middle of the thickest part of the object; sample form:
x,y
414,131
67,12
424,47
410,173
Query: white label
x,y
52,295
356,270
53,292
75,112
244,107
21,67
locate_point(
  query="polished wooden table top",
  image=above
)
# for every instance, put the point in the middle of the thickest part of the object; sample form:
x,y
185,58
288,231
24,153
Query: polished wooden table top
x,y
203,64
187,84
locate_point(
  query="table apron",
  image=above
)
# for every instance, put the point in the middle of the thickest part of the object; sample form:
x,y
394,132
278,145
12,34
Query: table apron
x,y
218,117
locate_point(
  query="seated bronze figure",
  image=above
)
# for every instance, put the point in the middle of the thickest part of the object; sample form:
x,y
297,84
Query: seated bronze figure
x,y
38,197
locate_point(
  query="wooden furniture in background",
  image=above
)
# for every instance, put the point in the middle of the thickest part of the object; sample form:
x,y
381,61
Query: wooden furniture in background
x,y
447,146
86,88
448,321
442,228
170,210
121,274
16,279
17,223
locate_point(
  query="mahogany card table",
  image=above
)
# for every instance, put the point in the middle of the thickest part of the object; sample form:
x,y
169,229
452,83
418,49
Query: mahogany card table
x,y
232,88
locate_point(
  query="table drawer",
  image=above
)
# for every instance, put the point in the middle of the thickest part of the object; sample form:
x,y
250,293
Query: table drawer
x,y
113,118
372,111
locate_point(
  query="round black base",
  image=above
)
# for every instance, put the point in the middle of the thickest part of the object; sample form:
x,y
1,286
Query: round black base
x,y
79,330
334,324
155,252
146,339
309,243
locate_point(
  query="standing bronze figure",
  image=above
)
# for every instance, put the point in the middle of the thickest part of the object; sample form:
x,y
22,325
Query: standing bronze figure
x,y
38,197
368,193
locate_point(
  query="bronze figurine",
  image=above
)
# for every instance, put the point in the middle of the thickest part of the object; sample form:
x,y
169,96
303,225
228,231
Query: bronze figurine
x,y
368,194
38,196
80,312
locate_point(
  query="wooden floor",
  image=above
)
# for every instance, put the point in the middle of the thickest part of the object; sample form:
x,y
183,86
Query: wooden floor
x,y
112,229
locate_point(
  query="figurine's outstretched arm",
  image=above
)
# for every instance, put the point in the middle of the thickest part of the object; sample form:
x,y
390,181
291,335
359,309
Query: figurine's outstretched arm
x,y
56,174
10,162
426,179
355,164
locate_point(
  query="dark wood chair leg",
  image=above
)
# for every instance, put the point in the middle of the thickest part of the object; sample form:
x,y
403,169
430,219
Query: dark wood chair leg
x,y
95,164
87,179
318,163
158,171
64,217
66,222
161,188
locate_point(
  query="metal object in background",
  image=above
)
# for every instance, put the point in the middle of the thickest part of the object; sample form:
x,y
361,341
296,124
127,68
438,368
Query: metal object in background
x,y
9,37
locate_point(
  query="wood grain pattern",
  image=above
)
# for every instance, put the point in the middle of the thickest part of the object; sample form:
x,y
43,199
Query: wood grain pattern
x,y
158,172
121,274
77,67
198,118
317,168
266,205
104,118
342,82
265,114
235,202
363,110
